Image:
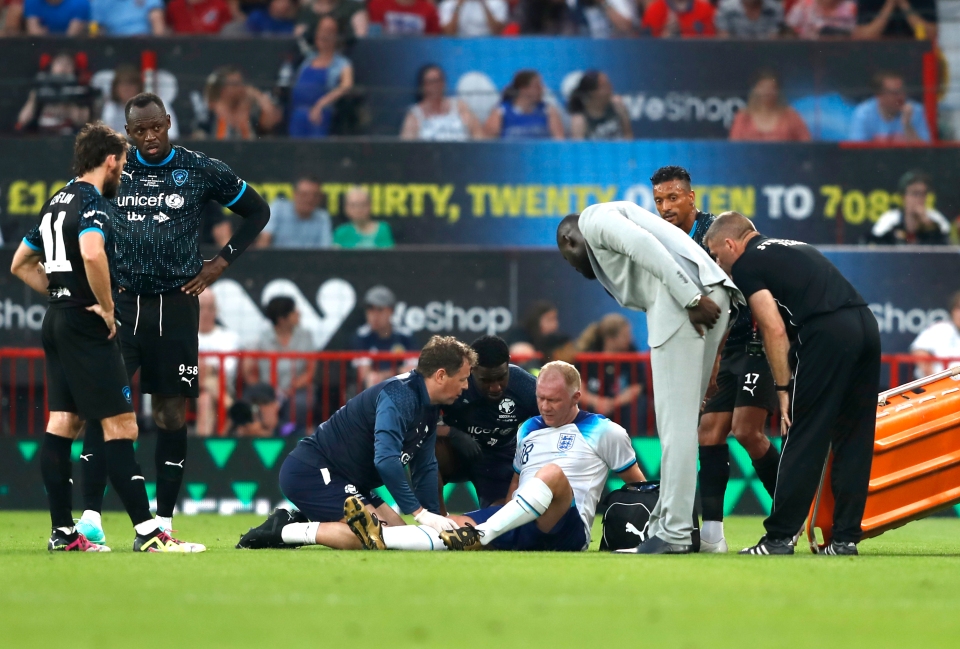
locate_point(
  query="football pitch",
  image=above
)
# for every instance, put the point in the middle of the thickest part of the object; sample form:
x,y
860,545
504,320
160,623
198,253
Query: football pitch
x,y
903,592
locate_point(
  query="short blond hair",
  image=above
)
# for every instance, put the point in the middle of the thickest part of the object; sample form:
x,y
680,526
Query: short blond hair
x,y
571,377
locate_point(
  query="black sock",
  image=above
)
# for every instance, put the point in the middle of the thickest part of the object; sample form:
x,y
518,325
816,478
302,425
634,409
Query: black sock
x,y
127,479
714,475
93,467
56,470
766,468
170,456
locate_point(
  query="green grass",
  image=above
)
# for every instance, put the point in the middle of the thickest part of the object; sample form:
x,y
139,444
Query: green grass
x,y
904,592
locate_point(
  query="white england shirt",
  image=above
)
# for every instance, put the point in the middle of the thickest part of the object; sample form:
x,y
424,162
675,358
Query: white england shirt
x,y
585,449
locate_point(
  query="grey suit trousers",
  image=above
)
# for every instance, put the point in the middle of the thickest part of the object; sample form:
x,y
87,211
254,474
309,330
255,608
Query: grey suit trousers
x,y
681,373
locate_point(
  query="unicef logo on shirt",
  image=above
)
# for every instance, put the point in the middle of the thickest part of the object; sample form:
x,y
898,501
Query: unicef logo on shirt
x,y
174,201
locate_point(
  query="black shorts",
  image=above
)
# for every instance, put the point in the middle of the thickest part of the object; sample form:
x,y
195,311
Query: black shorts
x,y
319,493
743,380
85,372
491,476
159,335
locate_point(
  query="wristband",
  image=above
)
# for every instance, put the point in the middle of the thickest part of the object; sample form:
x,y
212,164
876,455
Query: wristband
x,y
782,388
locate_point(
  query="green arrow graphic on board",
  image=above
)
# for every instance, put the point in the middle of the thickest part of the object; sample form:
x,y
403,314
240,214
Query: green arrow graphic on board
x,y
245,491
384,493
151,490
268,450
221,450
28,449
197,490
742,458
648,452
75,449
735,488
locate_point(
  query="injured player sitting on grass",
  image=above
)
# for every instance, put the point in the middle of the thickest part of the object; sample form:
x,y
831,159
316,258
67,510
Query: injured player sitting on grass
x,y
561,465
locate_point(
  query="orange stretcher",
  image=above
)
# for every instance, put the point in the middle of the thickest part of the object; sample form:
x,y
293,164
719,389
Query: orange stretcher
x,y
916,459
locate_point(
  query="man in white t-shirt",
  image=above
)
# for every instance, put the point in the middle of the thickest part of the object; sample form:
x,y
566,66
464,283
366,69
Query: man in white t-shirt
x,y
939,340
473,17
562,461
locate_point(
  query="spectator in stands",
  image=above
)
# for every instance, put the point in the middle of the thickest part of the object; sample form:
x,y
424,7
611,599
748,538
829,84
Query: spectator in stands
x,y
827,18
767,118
278,18
610,18
379,334
404,17
198,16
214,338
127,83
672,18
616,385
473,17
896,19
889,116
361,232
61,101
940,340
258,414
11,22
595,112
126,18
294,377
436,117
56,17
540,320
299,223
916,222
547,17
522,113
353,21
235,109
745,19
322,80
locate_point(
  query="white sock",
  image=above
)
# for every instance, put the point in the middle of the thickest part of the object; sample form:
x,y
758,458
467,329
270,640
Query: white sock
x,y
165,523
92,517
412,537
147,527
529,503
300,533
712,531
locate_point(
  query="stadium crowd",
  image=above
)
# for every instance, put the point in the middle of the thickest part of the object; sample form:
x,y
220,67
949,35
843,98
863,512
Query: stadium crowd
x,y
316,94
808,19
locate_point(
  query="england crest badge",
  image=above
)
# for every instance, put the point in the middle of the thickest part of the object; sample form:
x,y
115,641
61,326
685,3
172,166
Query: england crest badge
x,y
565,443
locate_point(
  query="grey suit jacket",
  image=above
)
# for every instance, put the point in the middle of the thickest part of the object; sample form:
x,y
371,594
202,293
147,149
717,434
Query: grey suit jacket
x,y
649,265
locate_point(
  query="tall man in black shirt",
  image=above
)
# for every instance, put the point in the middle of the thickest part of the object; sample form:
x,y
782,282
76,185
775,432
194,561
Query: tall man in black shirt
x,y
66,255
836,375
163,191
741,395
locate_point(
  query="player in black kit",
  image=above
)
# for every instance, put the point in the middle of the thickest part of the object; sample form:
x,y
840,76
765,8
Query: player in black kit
x,y
66,256
832,348
741,396
480,439
163,191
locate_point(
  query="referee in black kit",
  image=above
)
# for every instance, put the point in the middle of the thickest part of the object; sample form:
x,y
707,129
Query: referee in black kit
x,y
836,369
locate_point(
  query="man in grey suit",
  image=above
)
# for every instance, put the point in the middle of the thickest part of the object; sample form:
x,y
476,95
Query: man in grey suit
x,y
647,264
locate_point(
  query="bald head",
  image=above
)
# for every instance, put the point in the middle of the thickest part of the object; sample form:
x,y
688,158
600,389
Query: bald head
x,y
729,225
727,238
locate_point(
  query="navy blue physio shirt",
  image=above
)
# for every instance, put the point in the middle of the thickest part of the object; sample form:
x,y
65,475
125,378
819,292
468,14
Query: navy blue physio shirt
x,y
378,434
